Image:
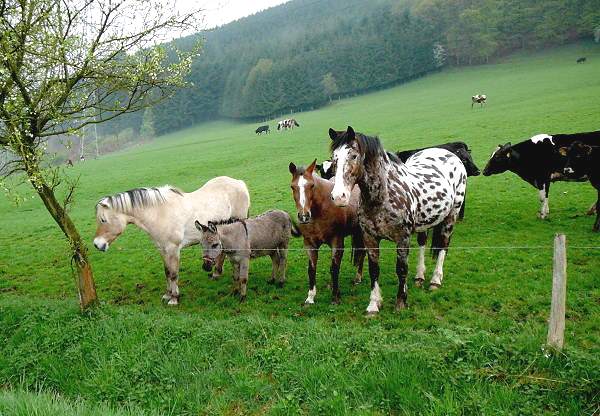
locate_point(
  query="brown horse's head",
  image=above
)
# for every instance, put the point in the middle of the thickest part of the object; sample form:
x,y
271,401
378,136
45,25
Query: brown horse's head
x,y
303,185
110,224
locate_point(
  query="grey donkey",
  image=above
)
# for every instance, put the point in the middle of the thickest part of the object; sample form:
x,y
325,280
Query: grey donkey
x,y
267,234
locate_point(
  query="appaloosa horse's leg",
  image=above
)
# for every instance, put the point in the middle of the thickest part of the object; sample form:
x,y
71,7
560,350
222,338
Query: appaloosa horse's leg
x,y
313,258
402,249
375,301
447,226
422,241
337,253
171,263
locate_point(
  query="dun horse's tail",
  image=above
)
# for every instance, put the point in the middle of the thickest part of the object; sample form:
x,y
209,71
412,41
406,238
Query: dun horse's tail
x,y
358,249
436,241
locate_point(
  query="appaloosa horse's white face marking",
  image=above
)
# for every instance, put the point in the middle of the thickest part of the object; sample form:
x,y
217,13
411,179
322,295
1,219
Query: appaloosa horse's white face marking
x,y
398,199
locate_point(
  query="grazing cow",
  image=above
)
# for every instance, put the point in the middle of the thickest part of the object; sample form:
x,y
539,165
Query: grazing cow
x,y
538,161
288,123
581,60
478,99
263,129
584,160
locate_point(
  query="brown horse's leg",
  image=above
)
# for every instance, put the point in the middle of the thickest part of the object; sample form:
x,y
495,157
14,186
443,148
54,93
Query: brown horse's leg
x,y
337,252
359,253
375,301
402,247
313,258
171,262
422,241
218,271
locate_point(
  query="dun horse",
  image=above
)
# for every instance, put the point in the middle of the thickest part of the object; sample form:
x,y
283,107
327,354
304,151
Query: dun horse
x,y
167,215
265,235
322,222
398,199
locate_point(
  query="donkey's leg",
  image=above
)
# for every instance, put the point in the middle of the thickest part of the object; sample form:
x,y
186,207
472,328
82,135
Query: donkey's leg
x,y
244,266
375,301
171,262
236,277
446,228
422,241
218,270
274,267
337,252
313,257
282,265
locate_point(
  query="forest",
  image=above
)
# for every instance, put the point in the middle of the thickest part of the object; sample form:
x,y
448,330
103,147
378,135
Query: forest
x,y
304,53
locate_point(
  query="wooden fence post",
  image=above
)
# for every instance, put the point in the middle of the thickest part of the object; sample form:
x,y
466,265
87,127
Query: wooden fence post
x,y
556,326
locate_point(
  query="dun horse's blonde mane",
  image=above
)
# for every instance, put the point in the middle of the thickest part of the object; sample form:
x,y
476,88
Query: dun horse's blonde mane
x,y
138,198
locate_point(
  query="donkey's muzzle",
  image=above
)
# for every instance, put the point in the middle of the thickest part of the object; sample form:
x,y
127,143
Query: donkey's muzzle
x,y
207,264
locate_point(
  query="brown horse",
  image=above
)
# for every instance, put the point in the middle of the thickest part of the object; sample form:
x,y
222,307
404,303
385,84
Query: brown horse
x,y
321,221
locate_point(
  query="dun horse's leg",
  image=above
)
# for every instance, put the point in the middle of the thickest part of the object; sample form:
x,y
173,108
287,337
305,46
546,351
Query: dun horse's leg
x,y
171,262
422,241
375,301
218,270
313,258
244,266
282,265
337,252
402,249
447,226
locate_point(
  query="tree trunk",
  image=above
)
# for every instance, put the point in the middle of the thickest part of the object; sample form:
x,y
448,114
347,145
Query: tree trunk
x,y
85,278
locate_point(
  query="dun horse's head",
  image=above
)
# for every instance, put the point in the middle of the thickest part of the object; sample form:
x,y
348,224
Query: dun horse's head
x,y
348,159
211,244
110,224
303,185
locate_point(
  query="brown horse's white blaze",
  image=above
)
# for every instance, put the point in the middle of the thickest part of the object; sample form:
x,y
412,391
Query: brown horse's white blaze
x,y
398,199
322,222
167,215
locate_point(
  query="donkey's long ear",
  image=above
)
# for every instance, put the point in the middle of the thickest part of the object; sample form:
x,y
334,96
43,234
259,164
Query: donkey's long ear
x,y
333,134
310,169
350,133
292,168
201,227
212,227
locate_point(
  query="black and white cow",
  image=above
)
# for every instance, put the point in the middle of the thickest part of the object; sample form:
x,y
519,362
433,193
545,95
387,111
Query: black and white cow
x,y
480,99
263,129
538,161
584,160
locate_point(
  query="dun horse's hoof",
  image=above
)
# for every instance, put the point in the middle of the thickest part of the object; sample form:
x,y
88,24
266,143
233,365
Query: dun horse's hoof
x,y
173,302
166,297
419,282
433,286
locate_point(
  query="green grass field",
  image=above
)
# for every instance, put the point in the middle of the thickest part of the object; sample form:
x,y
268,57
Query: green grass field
x,y
473,347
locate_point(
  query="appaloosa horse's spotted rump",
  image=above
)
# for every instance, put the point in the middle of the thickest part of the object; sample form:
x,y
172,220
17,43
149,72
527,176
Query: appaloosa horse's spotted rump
x,y
398,199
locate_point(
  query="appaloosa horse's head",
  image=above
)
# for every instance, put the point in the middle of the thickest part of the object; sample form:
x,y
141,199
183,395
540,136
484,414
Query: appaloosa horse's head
x,y
303,186
211,244
350,152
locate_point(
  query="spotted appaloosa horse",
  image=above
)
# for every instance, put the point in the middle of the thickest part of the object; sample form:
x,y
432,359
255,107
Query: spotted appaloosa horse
x,y
322,222
398,199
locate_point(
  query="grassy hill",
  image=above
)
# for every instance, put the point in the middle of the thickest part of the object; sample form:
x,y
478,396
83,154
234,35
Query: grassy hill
x,y
473,347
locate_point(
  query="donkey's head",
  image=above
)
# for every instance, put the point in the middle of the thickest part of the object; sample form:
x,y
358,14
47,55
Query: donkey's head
x,y
303,185
211,244
110,224
348,158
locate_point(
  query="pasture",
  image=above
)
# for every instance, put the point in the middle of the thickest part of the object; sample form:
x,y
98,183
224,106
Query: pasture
x,y
472,347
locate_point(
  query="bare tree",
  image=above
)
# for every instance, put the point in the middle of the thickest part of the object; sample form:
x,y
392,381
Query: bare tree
x,y
65,64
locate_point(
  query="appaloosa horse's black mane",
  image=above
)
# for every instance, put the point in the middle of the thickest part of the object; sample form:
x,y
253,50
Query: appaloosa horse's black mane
x,y
371,146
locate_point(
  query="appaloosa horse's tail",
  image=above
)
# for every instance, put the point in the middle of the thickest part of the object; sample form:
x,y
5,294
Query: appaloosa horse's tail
x,y
437,243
